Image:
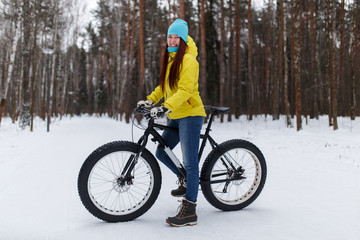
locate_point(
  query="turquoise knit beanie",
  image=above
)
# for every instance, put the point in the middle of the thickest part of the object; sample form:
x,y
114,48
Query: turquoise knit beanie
x,y
180,28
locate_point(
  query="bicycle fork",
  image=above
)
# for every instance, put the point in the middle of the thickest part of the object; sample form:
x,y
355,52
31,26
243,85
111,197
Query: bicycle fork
x,y
126,177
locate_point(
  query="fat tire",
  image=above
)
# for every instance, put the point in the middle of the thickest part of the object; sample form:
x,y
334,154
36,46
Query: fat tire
x,y
94,158
213,158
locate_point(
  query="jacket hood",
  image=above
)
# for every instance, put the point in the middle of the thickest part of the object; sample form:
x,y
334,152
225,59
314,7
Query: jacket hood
x,y
191,49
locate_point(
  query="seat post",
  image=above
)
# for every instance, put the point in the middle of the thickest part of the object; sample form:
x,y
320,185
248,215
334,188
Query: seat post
x,y
205,136
208,128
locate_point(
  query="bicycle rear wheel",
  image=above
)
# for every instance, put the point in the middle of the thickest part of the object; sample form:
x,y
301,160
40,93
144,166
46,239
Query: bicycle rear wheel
x,y
233,175
109,195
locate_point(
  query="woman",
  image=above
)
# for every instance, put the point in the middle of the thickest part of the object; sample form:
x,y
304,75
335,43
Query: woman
x,y
183,106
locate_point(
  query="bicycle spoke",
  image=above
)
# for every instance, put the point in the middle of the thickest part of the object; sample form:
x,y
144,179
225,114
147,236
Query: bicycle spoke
x,y
236,189
114,194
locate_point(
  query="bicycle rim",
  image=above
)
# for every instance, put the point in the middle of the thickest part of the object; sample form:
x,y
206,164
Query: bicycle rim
x,y
236,192
111,197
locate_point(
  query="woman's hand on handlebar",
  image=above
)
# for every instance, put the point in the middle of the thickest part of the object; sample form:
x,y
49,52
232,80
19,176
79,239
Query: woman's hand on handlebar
x,y
154,113
145,103
159,112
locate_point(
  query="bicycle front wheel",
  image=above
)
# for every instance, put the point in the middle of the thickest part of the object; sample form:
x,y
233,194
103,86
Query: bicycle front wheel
x,y
107,193
233,175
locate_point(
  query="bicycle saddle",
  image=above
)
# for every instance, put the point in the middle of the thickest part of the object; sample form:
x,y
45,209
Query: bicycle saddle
x,y
217,109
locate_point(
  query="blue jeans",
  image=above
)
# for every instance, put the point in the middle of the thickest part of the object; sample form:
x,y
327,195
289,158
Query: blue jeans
x,y
189,138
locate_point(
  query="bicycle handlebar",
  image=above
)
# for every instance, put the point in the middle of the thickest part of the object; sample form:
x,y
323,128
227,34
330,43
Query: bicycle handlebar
x,y
144,111
214,110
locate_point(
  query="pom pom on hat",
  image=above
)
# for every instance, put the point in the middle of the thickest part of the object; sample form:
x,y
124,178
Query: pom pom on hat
x,y
180,28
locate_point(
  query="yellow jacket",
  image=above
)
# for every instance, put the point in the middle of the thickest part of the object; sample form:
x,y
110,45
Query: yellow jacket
x,y
184,100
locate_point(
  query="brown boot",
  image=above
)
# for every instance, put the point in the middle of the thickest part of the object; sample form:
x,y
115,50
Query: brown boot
x,y
181,190
186,216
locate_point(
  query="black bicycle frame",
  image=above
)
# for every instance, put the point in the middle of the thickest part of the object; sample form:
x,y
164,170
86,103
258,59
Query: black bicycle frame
x,y
150,130
205,137
162,144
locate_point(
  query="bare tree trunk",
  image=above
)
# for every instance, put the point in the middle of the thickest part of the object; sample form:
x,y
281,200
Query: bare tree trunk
x,y
230,90
119,58
90,85
314,72
111,74
222,52
203,76
267,64
131,67
174,10
124,105
65,88
286,75
127,66
319,73
111,101
15,95
33,77
333,66
250,74
182,9
306,54
279,59
356,79
141,50
104,62
14,31
169,13
340,75
328,57
56,46
26,59
296,5
237,88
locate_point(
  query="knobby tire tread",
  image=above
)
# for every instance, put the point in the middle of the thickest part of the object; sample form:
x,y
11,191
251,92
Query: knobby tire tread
x,y
97,155
213,157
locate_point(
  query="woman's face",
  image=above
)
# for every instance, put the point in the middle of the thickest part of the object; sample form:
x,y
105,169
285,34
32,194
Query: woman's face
x,y
173,40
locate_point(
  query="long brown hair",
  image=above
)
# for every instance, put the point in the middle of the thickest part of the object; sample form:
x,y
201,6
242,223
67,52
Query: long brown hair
x,y
175,67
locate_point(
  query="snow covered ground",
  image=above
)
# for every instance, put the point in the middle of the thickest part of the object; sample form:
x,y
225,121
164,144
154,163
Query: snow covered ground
x,y
312,190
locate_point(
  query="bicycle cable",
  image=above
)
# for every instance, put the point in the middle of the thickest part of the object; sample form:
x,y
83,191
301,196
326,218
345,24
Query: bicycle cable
x,y
139,126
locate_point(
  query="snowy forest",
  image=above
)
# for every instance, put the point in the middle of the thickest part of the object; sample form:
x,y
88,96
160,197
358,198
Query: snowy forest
x,y
288,57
